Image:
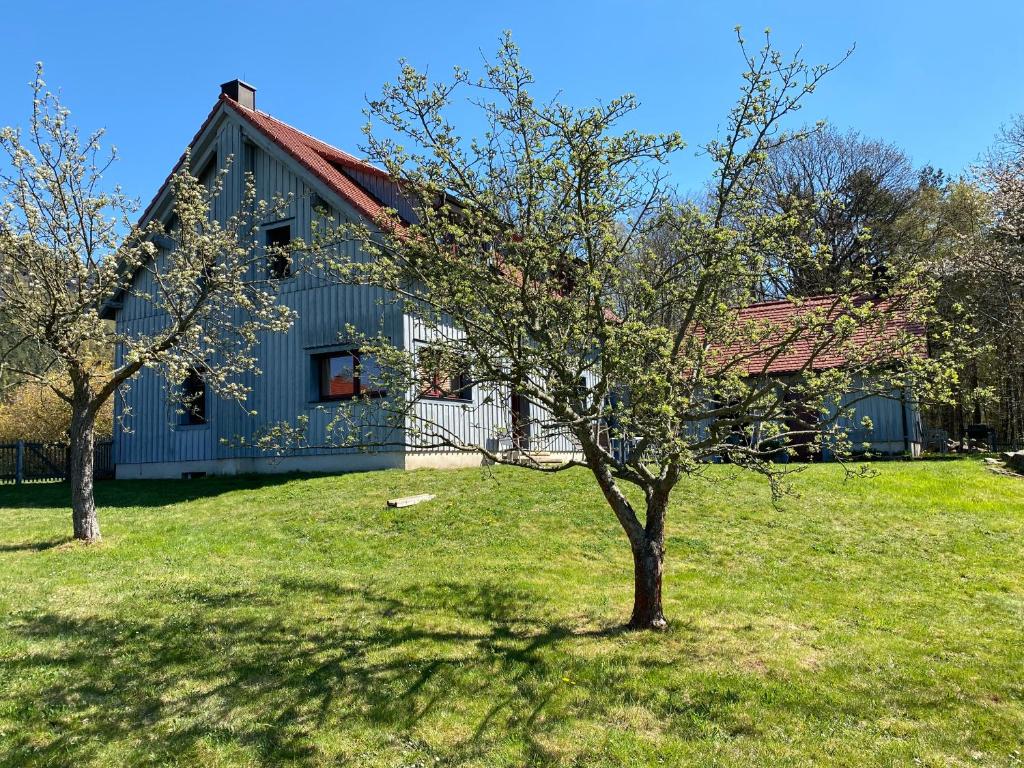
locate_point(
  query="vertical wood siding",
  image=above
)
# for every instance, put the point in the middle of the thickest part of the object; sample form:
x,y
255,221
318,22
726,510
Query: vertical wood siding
x,y
486,420
285,388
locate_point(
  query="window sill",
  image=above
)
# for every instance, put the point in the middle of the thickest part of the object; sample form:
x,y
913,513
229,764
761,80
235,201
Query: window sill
x,y
452,400
348,398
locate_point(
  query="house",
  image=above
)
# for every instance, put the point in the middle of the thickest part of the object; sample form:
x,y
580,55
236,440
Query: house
x,y
895,416
310,370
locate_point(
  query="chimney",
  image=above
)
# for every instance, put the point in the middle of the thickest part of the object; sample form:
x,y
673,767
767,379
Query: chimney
x,y
240,92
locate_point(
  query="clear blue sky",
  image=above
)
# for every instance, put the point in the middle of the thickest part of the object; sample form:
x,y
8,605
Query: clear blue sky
x,y
936,77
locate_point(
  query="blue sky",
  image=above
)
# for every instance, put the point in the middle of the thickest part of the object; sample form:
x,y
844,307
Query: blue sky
x,y
936,77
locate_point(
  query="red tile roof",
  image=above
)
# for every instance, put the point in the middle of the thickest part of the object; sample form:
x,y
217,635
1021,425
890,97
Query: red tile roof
x,y
318,157
325,162
890,320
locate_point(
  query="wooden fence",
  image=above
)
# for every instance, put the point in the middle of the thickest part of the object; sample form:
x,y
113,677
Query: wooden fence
x,y
23,462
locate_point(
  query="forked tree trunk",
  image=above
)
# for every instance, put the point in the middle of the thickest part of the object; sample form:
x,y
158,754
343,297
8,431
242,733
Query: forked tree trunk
x,y
647,541
648,566
80,474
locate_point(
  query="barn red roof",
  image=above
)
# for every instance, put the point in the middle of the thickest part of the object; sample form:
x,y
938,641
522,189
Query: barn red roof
x,y
329,164
783,317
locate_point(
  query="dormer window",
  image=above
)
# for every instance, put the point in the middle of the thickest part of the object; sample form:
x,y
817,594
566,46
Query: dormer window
x,y
279,264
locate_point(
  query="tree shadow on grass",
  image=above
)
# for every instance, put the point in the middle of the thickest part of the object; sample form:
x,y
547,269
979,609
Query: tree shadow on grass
x,y
113,494
35,546
379,670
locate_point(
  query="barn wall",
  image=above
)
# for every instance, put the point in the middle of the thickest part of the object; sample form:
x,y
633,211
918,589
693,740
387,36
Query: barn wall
x,y
888,415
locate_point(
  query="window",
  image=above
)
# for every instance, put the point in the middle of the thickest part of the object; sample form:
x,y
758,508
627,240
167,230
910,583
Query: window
x,y
443,386
319,205
440,381
278,261
344,375
249,158
193,399
208,175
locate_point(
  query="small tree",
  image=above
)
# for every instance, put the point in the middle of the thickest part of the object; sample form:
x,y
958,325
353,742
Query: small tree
x,y
68,249
545,263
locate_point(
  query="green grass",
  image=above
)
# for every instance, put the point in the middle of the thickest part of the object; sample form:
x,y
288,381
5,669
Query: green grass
x,y
281,621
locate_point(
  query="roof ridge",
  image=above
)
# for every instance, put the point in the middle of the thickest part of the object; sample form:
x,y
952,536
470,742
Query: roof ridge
x,y
793,302
302,147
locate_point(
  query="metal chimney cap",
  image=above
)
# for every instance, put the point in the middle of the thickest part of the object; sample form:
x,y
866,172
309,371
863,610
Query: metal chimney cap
x,y
240,92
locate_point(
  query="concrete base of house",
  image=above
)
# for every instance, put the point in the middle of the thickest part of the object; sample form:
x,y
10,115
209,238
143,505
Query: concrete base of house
x,y
350,462
334,464
892,448
895,448
448,460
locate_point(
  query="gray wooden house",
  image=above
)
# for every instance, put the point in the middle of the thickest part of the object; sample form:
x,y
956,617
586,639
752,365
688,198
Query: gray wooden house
x,y
309,371
895,415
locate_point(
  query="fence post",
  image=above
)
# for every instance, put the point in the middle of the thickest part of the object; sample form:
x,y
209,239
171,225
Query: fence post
x,y
19,463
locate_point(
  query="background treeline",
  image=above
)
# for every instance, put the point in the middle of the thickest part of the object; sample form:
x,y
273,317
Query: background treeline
x,y
31,409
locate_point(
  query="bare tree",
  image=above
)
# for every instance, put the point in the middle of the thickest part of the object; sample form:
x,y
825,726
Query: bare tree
x,y
854,195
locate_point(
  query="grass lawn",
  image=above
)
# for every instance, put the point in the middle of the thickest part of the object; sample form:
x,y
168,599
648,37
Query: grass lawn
x,y
297,621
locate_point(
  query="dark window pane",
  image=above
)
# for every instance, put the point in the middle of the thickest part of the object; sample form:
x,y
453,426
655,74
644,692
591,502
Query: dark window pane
x,y
208,175
193,396
278,263
462,387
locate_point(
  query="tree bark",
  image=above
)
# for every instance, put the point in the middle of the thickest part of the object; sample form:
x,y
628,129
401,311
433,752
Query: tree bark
x,y
648,566
646,541
80,473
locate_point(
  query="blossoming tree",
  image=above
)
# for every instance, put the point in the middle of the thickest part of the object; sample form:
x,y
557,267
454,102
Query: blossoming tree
x,y
69,248
547,259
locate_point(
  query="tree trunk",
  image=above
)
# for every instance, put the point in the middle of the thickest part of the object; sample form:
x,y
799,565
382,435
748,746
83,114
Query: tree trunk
x,y
80,473
646,541
648,565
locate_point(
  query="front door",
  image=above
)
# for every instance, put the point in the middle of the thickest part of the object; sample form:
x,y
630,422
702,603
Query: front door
x,y
520,408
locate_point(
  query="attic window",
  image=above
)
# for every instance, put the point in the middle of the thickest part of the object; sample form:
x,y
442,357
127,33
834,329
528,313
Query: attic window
x,y
279,264
208,175
319,205
193,399
249,158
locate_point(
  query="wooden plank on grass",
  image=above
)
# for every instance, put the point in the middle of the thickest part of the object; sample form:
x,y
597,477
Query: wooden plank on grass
x,y
408,501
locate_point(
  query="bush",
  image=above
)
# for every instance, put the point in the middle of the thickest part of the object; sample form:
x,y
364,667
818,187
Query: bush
x,y
34,412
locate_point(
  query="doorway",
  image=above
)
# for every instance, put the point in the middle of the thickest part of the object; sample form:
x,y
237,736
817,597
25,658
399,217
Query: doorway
x,y
520,408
